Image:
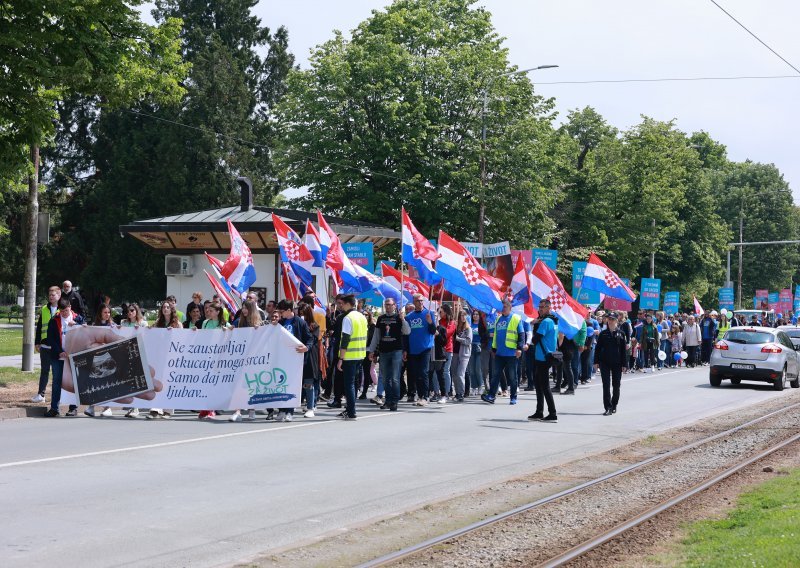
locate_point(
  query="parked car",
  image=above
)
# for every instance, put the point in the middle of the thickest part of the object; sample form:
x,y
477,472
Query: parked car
x,y
755,354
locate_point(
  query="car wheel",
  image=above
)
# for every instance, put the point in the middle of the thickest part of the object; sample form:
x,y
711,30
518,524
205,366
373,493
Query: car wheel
x,y
795,384
715,380
780,382
736,381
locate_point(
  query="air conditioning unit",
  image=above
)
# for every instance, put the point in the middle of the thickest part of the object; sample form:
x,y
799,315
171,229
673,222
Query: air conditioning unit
x,y
175,265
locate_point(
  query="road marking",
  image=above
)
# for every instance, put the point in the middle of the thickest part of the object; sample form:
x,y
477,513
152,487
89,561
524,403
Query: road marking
x,y
187,441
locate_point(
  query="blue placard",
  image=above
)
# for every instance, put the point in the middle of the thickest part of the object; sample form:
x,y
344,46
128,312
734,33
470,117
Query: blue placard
x,y
773,299
586,297
651,294
361,254
672,302
797,299
726,298
548,256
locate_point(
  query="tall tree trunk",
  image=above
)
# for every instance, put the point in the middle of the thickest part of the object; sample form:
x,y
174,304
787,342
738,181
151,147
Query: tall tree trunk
x,y
29,312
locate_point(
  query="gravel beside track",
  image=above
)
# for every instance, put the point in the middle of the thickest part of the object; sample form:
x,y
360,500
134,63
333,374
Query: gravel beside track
x,y
534,536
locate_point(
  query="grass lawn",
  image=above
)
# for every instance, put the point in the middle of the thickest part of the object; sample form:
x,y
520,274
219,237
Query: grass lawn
x,y
763,530
10,375
11,341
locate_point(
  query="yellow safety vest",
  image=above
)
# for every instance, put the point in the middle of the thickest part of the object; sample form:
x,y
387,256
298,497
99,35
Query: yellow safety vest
x,y
722,330
357,347
511,333
46,317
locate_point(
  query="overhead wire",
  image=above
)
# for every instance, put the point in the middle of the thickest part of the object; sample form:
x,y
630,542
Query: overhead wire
x,y
758,39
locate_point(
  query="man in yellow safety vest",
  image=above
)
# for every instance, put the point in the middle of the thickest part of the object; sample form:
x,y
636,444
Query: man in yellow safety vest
x,y
352,351
507,344
47,313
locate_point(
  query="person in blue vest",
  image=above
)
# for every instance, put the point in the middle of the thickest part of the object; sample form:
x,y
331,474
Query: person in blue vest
x,y
708,331
422,328
507,344
545,339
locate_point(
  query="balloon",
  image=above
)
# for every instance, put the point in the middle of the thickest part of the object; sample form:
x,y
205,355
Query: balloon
x,y
684,355
780,315
724,312
677,356
662,356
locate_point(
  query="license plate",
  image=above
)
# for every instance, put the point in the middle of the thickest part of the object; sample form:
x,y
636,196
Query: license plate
x,y
742,366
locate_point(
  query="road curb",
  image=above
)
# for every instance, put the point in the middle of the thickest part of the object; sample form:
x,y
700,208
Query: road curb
x,y
22,412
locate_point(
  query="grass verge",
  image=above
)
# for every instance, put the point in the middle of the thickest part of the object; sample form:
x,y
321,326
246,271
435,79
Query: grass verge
x,y
763,530
10,375
11,341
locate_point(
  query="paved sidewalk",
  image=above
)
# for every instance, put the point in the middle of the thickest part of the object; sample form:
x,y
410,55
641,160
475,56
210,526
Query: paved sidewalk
x,y
16,361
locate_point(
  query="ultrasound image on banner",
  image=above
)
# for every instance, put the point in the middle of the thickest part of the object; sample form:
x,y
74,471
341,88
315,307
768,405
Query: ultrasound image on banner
x,y
112,371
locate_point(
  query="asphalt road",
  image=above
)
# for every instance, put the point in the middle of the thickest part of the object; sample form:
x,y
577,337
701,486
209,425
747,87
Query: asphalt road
x,y
115,491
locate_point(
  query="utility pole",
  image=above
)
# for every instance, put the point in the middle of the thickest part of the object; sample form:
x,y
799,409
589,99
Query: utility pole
x,y
653,253
739,277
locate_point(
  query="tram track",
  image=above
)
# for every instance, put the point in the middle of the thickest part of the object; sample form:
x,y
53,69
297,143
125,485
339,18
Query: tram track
x,y
454,546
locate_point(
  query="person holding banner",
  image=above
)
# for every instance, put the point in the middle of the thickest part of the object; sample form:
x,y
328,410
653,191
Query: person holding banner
x,y
167,318
297,326
57,329
352,351
101,319
249,316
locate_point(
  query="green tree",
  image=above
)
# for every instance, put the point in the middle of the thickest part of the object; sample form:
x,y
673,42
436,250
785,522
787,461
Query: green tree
x,y
152,159
757,196
392,117
50,50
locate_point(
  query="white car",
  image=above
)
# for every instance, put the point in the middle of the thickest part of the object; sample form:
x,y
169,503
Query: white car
x,y
793,331
755,354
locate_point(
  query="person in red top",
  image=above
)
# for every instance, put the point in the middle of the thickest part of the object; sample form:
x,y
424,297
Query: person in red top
x,y
447,322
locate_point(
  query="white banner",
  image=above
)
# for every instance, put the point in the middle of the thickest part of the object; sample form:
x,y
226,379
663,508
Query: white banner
x,y
188,369
496,249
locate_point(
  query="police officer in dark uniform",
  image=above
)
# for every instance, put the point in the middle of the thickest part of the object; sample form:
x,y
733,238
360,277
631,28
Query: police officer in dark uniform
x,y
611,357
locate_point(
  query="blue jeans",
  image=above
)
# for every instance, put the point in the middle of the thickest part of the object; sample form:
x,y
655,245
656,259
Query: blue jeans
x,y
350,371
666,347
507,365
58,374
474,370
448,378
390,365
310,387
417,369
530,366
576,367
44,374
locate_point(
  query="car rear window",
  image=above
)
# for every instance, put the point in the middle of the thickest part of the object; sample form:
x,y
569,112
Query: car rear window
x,y
749,337
792,332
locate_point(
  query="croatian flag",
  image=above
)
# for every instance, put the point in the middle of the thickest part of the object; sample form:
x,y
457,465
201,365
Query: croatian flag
x,y
313,244
293,251
238,268
409,285
698,309
418,251
291,284
358,280
327,239
220,291
520,291
463,276
214,261
545,285
601,278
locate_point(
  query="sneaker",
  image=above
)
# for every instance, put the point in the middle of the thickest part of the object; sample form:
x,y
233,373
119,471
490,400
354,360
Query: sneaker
x,y
308,414
251,414
607,412
334,404
132,413
281,416
486,398
168,415
410,398
107,413
442,400
235,417
89,411
569,391
377,400
550,418
38,398
434,398
555,390
504,394
288,417
153,414
363,396
393,408
51,413
72,412
270,415
512,401
459,399
535,417
202,415
421,402
324,398
529,389
342,414
348,418
384,406
613,410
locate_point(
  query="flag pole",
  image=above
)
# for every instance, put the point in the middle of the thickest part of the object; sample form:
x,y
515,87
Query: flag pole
x,y
402,275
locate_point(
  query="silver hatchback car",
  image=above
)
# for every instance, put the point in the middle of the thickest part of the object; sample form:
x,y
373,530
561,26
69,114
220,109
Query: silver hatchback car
x,y
755,354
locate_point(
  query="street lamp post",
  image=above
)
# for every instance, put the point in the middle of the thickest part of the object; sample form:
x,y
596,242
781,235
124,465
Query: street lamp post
x,y
482,208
